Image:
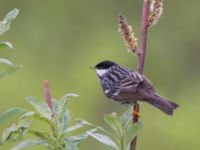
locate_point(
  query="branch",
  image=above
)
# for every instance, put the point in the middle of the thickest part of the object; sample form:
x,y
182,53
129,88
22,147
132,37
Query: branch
x,y
141,59
144,31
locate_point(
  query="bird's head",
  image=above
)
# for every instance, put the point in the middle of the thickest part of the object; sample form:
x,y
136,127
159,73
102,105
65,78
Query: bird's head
x,y
102,67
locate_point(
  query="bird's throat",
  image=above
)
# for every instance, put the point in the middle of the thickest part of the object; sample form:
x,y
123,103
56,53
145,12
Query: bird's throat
x,y
101,72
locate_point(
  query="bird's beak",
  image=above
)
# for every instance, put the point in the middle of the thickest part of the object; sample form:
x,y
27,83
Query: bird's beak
x,y
92,67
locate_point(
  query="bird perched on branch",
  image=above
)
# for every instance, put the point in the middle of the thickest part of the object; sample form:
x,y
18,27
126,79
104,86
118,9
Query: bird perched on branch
x,y
126,86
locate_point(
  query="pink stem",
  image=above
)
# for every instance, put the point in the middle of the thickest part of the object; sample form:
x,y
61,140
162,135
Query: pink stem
x,y
141,58
144,31
47,94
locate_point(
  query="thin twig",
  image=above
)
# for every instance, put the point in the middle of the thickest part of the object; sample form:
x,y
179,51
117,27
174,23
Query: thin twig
x,y
141,59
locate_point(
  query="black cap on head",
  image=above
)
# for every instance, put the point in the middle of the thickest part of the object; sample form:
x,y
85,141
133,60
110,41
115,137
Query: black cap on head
x,y
105,64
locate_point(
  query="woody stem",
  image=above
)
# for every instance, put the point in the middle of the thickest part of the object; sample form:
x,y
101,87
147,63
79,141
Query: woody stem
x,y
141,59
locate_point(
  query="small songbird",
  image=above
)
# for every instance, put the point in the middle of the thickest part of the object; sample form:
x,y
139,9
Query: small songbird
x,y
127,86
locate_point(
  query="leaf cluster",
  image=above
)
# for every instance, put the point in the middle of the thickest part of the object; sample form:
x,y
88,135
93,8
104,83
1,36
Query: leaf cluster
x,y
61,134
5,26
123,131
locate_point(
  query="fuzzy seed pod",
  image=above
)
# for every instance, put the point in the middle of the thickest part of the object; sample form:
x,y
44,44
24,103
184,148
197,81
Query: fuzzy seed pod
x,y
127,34
156,12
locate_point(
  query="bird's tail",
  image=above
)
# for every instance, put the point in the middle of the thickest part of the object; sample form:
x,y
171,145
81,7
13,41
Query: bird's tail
x,y
163,104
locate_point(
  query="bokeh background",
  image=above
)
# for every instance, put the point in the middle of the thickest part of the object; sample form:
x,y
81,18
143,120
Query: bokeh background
x,y
59,40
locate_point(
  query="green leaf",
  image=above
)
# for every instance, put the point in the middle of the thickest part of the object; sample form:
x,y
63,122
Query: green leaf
x,y
126,118
27,115
86,123
6,61
64,121
73,142
66,97
9,70
7,133
104,139
29,143
5,23
42,135
73,128
63,113
55,104
38,134
77,139
71,146
41,107
80,123
114,122
131,131
36,116
9,113
6,45
15,131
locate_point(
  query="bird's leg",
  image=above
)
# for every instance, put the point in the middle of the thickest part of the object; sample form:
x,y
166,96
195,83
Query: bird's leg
x,y
136,112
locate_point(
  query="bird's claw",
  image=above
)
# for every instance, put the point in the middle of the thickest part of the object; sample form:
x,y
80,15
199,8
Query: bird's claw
x,y
136,114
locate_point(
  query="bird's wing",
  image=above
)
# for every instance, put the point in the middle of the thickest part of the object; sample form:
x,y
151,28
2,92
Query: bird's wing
x,y
148,85
129,83
124,78
126,88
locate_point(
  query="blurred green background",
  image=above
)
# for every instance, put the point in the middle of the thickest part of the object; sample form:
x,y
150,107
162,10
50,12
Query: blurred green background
x,y
59,40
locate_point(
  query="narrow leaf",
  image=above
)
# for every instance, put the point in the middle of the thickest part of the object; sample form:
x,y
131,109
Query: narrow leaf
x,y
36,116
92,125
73,142
126,118
64,121
7,133
83,121
38,134
77,139
15,131
80,123
73,128
41,135
5,23
27,115
102,138
41,107
29,143
9,113
63,113
6,61
55,104
114,122
131,131
66,97
6,45
71,146
9,70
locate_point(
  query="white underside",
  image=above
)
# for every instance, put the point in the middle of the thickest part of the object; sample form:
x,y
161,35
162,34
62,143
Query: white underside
x,y
107,91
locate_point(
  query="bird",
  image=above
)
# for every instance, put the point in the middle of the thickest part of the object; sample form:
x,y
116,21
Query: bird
x,y
127,86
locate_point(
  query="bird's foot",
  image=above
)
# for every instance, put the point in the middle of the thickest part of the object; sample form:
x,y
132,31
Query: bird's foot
x,y
136,114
